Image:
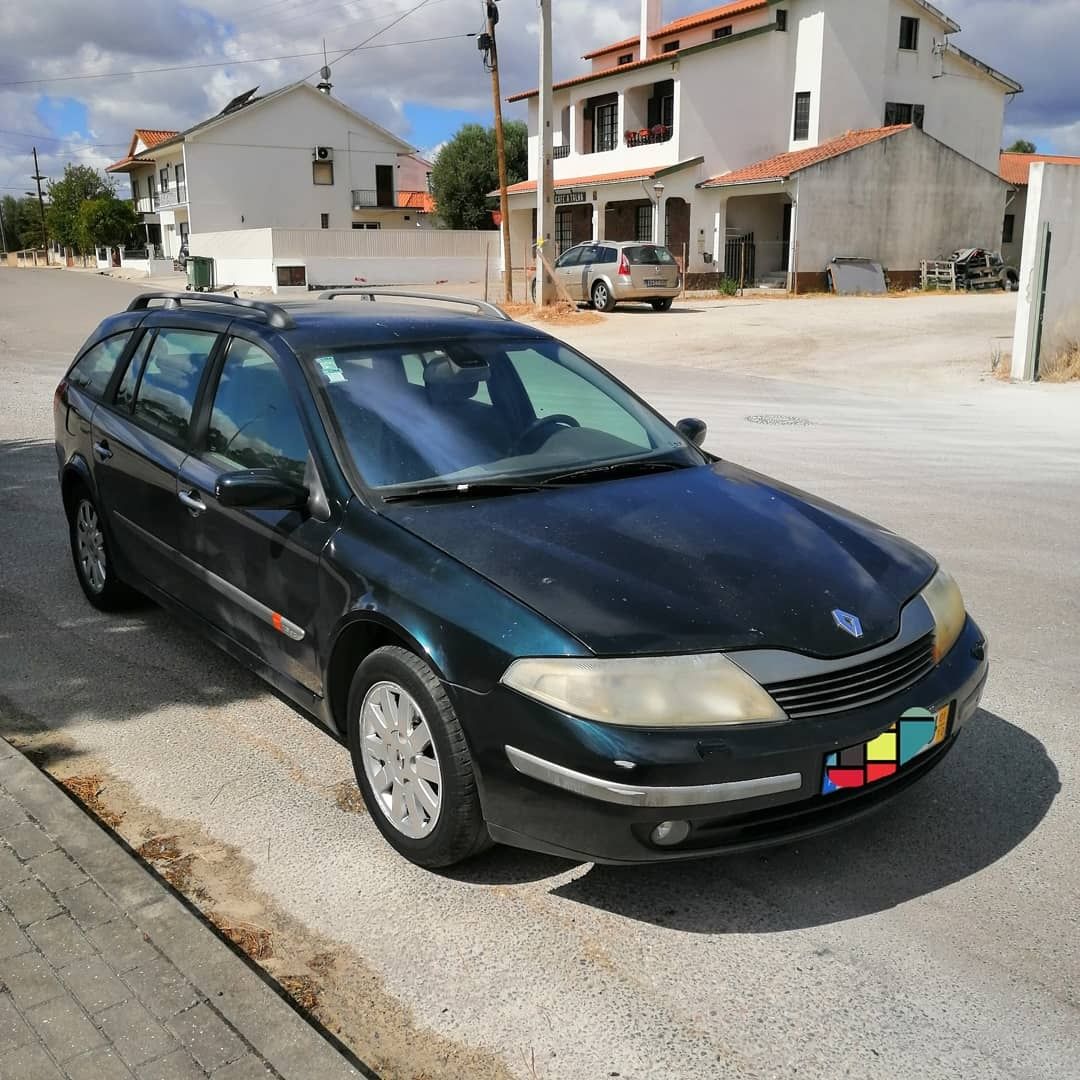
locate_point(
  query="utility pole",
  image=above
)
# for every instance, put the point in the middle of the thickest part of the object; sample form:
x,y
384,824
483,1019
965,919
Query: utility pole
x,y
545,182
3,235
37,177
488,44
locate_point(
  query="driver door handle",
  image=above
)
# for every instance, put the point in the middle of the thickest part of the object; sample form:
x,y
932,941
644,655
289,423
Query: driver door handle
x,y
102,451
192,501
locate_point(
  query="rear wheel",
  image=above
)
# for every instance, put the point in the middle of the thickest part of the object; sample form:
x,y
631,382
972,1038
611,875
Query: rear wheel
x,y
412,762
91,555
662,303
602,299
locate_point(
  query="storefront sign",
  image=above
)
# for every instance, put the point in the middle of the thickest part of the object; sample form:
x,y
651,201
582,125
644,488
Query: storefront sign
x,y
564,198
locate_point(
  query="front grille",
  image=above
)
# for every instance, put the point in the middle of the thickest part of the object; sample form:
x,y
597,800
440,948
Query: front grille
x,y
854,687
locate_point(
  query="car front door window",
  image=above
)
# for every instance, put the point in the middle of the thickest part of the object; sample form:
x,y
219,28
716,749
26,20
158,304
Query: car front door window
x,y
170,382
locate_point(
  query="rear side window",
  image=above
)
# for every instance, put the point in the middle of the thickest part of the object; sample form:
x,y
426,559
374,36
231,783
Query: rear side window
x,y
254,423
170,381
95,368
125,392
651,255
608,255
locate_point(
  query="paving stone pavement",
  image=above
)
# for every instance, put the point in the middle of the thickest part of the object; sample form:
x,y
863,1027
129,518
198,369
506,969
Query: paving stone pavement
x,y
104,974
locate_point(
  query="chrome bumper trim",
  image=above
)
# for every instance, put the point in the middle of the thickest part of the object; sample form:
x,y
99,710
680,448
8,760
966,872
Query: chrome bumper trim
x,y
592,787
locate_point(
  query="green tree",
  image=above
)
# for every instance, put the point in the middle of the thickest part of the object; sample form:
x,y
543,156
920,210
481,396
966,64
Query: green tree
x,y
66,196
466,172
105,222
1022,146
22,222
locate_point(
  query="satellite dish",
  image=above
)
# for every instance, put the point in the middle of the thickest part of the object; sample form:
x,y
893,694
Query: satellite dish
x,y
325,72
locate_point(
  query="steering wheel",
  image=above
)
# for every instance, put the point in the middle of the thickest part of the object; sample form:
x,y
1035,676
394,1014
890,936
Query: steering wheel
x,y
555,420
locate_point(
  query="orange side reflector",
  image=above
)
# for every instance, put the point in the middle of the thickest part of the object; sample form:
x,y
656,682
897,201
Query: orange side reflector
x,y
275,618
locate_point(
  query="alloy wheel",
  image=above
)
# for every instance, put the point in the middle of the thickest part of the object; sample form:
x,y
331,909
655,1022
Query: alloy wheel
x,y
90,544
400,759
600,295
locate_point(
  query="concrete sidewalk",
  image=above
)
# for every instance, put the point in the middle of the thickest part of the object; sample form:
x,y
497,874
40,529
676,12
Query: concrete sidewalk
x,y
105,974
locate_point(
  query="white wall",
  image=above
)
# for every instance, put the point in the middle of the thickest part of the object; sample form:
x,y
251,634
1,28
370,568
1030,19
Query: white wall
x,y
255,170
898,201
1054,197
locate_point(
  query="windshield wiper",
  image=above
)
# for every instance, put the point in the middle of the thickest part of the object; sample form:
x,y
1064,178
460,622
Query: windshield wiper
x,y
619,470
476,490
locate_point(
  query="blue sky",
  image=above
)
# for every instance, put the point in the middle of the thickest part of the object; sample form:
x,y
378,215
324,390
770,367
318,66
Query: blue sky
x,y
421,89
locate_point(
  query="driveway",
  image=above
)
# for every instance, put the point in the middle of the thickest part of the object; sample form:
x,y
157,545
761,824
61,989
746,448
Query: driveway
x,y
937,939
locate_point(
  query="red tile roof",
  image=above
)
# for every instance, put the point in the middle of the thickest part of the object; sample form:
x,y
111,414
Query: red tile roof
x,y
598,74
598,178
416,200
688,22
151,137
784,165
123,163
1014,168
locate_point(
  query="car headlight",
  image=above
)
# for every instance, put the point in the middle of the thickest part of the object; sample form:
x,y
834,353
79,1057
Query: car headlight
x,y
943,598
664,691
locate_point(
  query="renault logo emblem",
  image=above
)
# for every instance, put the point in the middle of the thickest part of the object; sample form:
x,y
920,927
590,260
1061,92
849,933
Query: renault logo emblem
x,y
848,623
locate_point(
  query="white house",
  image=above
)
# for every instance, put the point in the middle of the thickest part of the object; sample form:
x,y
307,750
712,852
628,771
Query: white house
x,y
294,158
1015,169
674,135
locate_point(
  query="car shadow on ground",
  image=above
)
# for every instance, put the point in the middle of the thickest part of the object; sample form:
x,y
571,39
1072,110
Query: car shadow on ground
x,y
985,799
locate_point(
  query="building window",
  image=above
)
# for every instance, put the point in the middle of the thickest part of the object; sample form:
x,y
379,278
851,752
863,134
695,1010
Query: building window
x,y
802,116
643,224
605,123
1009,230
291,275
781,19
901,112
626,58
164,180
722,32
324,221
181,183
909,33
322,172
134,189
671,46
564,231
365,224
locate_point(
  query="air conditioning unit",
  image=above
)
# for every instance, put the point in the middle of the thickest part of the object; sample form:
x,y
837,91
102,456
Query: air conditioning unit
x,y
323,153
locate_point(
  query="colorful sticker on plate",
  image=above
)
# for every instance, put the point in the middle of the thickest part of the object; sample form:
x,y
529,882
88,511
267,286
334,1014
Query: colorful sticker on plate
x,y
917,731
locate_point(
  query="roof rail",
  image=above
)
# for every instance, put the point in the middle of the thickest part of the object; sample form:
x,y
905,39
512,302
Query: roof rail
x,y
277,317
481,307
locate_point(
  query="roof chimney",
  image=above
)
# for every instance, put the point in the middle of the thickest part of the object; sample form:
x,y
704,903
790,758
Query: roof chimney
x,y
651,16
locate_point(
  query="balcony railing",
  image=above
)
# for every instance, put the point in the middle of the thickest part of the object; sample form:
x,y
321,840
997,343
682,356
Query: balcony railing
x,y
658,133
175,197
561,151
146,204
368,198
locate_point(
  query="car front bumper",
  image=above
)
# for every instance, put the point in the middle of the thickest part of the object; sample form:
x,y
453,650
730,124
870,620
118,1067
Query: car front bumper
x,y
550,782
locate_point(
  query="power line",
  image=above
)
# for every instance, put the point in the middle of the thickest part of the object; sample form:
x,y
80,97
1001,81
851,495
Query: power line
x,y
238,62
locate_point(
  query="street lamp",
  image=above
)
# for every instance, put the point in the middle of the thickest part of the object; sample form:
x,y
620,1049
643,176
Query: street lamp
x,y
658,188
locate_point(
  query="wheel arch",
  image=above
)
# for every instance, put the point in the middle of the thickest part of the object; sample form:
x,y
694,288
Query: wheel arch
x,y
76,473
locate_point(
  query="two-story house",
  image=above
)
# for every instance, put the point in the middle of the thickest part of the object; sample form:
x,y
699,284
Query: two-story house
x,y
815,128
293,158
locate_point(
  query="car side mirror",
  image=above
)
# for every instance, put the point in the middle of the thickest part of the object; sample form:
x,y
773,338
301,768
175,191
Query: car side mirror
x,y
693,430
259,489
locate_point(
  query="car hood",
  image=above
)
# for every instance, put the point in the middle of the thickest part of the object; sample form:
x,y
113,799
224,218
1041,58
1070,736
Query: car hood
x,y
697,560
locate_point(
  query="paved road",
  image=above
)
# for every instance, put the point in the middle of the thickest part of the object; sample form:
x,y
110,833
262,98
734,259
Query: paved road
x,y
941,940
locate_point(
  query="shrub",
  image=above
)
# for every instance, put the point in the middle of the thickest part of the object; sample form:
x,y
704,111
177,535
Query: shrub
x,y
729,287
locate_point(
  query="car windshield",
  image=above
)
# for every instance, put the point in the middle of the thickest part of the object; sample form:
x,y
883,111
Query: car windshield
x,y
484,412
650,254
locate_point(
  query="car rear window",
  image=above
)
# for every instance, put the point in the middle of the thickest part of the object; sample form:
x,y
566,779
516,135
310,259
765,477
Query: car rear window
x,y
95,367
649,254
170,381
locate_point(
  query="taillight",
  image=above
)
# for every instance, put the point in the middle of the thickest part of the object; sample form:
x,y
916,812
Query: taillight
x,y
624,265
61,390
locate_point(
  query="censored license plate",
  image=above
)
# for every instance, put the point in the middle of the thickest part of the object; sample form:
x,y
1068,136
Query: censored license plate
x,y
656,283
916,732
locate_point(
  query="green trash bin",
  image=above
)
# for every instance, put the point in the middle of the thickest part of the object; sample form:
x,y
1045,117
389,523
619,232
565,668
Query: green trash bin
x,y
200,273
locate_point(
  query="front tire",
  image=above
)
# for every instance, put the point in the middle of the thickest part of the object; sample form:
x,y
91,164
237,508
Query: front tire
x,y
90,551
412,762
602,299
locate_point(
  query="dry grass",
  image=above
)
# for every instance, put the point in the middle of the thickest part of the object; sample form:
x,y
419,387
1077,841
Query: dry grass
x,y
88,789
160,848
1064,367
562,312
1001,364
347,797
323,963
303,989
252,940
174,866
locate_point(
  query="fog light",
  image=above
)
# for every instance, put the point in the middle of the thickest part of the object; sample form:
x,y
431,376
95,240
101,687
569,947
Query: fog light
x,y
670,833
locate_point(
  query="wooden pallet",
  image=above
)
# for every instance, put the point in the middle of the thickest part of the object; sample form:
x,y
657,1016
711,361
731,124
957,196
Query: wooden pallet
x,y
938,274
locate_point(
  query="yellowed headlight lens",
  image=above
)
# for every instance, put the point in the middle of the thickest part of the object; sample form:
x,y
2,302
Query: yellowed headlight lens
x,y
946,604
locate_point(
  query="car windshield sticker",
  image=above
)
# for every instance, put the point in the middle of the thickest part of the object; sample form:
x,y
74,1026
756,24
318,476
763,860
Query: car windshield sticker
x,y
330,369
917,731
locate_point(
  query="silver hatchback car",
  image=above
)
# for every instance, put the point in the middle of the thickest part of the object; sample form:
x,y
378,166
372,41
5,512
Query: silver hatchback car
x,y
608,272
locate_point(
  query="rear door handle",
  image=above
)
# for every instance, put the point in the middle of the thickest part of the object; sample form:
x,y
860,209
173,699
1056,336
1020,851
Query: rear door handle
x,y
192,501
102,451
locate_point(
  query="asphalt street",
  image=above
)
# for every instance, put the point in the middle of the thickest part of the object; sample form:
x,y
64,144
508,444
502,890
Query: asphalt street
x,y
940,938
